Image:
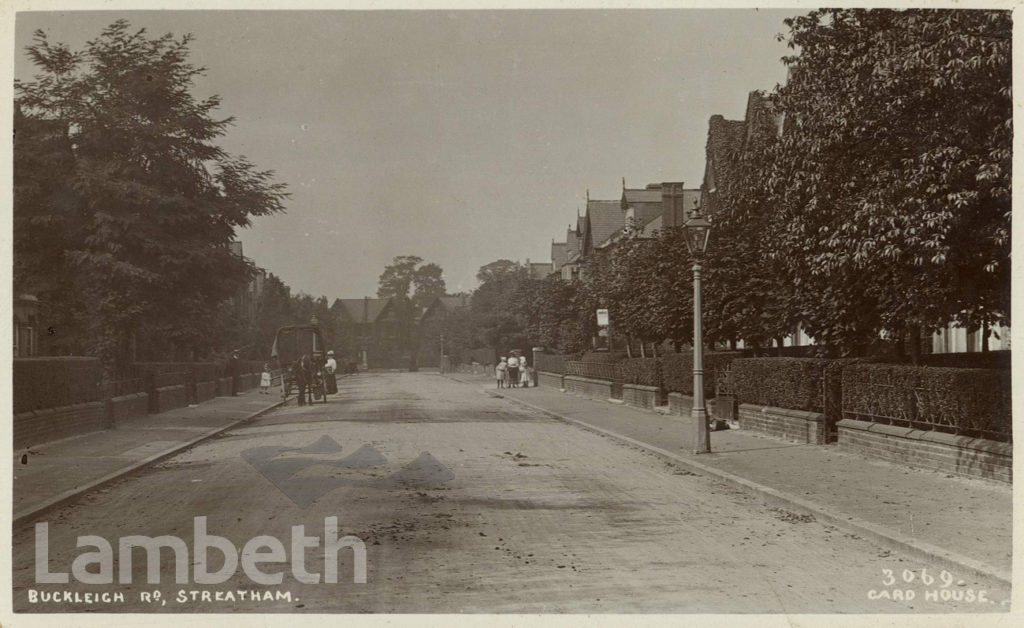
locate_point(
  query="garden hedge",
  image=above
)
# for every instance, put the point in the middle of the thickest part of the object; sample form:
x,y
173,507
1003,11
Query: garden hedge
x,y
792,383
550,363
972,402
52,382
642,371
602,356
677,369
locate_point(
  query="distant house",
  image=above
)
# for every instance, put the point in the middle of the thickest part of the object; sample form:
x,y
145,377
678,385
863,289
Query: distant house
x,y
569,269
538,270
430,327
370,332
246,299
26,326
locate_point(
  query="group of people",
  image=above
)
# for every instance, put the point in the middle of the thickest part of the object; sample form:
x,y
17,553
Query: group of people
x,y
513,371
305,377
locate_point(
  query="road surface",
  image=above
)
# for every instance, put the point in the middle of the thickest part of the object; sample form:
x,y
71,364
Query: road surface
x,y
464,503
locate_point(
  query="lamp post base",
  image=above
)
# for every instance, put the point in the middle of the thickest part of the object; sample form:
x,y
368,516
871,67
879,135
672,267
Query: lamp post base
x,y
703,444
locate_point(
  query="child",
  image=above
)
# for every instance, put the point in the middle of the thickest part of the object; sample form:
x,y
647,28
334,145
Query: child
x,y
501,373
265,380
524,373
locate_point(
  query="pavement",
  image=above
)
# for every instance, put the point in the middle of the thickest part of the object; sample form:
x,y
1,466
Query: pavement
x,y
957,523
61,471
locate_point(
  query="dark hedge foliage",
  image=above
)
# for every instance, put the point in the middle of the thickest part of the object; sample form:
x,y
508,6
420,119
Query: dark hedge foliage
x,y
677,369
793,383
972,402
550,363
978,360
41,383
603,356
642,371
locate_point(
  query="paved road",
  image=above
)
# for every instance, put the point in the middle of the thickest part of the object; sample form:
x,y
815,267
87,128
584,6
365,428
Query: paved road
x,y
467,503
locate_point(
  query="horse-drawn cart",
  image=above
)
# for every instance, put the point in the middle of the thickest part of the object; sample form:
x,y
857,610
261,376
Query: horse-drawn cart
x,y
299,355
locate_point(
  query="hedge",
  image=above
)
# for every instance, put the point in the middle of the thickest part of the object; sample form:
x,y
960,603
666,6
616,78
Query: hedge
x,y
976,360
642,371
677,369
52,382
972,402
602,356
793,383
549,363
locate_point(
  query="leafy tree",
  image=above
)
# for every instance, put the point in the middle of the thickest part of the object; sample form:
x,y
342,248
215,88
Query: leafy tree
x,y
427,284
892,182
408,277
145,202
495,307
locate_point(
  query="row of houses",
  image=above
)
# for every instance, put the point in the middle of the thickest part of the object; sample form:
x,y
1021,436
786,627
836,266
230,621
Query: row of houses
x,y
670,204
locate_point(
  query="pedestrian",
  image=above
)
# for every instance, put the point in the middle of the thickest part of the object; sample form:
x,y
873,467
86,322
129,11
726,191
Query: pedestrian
x,y
265,380
330,382
524,373
234,370
303,378
501,372
513,371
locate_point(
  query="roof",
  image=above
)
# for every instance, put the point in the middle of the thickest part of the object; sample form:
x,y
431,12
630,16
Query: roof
x,y
559,254
649,229
572,240
603,219
647,195
365,310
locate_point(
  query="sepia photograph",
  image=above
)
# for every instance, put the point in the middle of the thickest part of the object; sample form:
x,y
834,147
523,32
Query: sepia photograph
x,y
613,314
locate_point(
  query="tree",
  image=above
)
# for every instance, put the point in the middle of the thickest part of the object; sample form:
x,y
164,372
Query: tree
x,y
407,273
494,305
147,204
891,184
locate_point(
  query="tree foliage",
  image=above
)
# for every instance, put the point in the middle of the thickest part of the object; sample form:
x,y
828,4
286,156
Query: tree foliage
x,y
890,187
408,278
142,203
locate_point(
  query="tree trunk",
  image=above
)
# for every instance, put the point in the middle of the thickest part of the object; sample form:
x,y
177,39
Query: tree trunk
x,y
642,353
914,331
901,347
986,332
778,342
629,347
732,344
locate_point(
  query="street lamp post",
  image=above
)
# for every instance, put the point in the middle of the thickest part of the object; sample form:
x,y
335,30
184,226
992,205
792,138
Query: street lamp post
x,y
697,231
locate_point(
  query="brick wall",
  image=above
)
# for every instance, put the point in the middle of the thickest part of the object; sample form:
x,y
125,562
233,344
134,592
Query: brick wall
x,y
641,396
205,391
960,455
682,405
588,387
224,387
40,426
551,380
126,407
793,425
167,398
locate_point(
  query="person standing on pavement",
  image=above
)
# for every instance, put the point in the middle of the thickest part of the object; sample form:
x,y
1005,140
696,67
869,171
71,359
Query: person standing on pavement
x,y
330,383
265,380
234,370
524,372
501,372
302,377
513,371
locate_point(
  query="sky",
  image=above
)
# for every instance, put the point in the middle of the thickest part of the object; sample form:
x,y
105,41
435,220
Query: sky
x,y
461,137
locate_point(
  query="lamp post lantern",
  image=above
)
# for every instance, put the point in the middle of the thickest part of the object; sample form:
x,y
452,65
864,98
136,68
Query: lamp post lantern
x,y
697,230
